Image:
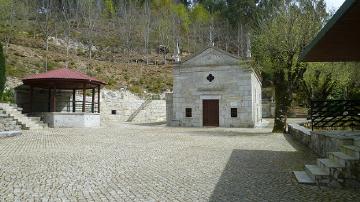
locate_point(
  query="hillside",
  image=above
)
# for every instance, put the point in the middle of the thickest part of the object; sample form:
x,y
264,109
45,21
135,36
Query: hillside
x,y
25,56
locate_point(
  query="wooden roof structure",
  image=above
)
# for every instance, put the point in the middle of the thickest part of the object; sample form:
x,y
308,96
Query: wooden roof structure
x,y
339,39
63,78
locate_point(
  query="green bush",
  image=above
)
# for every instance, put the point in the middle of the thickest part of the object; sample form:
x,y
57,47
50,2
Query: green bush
x,y
2,71
8,96
136,90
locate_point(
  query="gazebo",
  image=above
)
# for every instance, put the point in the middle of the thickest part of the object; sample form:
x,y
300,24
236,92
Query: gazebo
x,y
60,108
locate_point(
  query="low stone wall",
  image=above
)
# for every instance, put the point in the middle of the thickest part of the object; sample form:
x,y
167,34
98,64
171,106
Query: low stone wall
x,y
321,142
71,120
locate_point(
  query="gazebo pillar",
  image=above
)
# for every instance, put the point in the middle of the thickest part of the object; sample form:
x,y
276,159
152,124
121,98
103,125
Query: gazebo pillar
x,y
84,98
93,101
49,100
53,98
74,101
98,98
31,99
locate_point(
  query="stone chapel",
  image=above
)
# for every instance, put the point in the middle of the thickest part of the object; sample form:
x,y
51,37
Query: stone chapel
x,y
214,88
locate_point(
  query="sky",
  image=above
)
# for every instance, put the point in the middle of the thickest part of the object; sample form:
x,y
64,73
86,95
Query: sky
x,y
333,4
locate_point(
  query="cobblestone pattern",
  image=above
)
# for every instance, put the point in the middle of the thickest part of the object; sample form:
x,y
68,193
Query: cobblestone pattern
x,y
155,163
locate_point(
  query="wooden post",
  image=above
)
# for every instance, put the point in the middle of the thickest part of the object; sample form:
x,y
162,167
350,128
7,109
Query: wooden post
x,y
54,100
74,101
93,101
98,98
31,98
49,100
84,98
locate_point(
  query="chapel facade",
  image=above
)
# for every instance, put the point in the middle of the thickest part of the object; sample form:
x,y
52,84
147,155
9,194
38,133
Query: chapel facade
x,y
214,88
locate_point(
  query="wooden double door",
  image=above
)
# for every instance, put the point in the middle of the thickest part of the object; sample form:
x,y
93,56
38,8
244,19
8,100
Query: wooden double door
x,y
211,113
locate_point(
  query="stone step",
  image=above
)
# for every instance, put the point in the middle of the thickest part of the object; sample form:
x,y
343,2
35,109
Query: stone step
x,y
303,178
26,122
351,150
10,133
35,119
357,141
328,164
315,172
341,158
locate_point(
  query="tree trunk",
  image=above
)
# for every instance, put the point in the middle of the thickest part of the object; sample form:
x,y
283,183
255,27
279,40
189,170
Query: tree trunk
x,y
282,101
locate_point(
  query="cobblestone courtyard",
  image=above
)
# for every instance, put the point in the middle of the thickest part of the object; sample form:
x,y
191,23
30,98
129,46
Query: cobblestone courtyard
x,y
156,163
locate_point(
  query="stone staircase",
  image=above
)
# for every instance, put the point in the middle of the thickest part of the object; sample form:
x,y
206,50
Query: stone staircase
x,y
138,110
26,122
338,166
8,126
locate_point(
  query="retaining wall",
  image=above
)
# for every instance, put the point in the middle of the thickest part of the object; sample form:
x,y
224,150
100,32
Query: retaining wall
x,y
321,142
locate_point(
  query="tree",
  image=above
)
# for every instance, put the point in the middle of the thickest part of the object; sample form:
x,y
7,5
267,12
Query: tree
x,y
241,14
7,19
317,85
109,10
90,16
2,71
46,24
277,45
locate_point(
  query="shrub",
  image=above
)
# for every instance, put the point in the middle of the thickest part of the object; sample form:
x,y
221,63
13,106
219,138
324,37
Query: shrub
x,y
2,71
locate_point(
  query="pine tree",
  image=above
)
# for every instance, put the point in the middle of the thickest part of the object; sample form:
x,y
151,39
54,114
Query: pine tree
x,y
2,71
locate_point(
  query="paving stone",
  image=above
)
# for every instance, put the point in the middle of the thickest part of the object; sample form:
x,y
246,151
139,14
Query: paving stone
x,y
156,163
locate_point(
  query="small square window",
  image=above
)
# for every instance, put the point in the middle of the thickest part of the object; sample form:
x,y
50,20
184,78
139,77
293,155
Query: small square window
x,y
233,112
188,112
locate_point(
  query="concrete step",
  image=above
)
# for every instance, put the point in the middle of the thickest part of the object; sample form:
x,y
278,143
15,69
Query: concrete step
x,y
351,150
303,178
341,158
316,173
328,164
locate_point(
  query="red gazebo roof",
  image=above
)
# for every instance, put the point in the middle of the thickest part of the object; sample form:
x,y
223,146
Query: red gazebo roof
x,y
62,78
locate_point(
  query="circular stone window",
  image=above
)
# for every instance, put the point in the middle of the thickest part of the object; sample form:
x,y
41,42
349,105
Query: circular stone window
x,y
210,77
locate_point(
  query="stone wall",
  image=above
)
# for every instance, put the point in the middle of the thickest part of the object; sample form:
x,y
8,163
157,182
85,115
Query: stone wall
x,y
71,120
169,109
125,103
268,109
256,98
321,142
154,112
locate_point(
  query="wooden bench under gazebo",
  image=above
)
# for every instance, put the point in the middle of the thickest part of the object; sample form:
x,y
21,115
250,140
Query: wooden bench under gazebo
x,y
54,95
